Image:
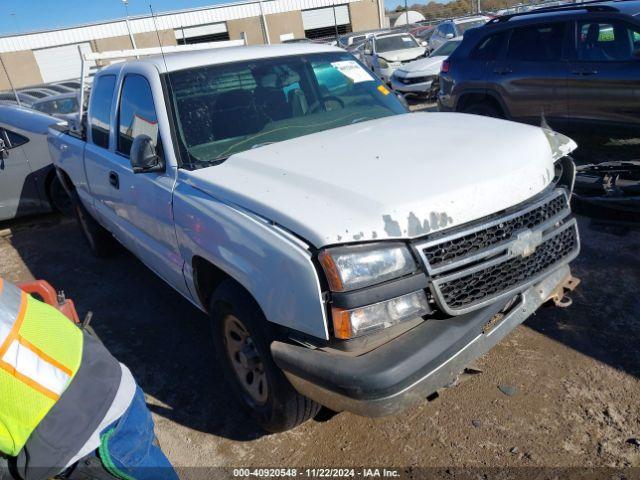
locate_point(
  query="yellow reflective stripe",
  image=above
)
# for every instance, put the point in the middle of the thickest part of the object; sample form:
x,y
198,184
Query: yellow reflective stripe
x,y
28,364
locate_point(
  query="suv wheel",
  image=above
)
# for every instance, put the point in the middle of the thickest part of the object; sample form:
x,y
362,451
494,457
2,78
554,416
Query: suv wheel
x,y
484,109
242,338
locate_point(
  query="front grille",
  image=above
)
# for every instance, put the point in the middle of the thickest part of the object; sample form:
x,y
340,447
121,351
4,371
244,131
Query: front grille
x,y
476,265
477,240
465,291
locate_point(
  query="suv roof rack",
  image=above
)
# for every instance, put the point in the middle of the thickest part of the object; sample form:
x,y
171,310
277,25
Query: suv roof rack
x,y
592,6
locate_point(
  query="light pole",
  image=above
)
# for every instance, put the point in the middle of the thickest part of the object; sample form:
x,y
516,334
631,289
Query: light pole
x,y
406,11
126,19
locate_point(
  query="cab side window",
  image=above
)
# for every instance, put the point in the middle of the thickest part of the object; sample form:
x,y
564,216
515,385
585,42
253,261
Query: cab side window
x,y
100,110
137,114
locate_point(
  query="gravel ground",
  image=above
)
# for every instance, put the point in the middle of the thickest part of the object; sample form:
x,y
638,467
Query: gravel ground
x,y
573,374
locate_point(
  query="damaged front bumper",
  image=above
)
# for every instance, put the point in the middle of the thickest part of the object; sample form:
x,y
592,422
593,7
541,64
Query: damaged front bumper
x,y
414,365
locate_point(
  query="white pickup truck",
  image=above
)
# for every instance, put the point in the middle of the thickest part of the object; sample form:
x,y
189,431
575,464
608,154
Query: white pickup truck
x,y
349,253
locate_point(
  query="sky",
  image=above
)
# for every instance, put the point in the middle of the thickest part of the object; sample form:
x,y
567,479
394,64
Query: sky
x,y
20,16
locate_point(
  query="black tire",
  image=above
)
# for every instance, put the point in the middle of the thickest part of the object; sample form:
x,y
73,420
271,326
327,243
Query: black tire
x,y
282,407
58,197
100,241
484,109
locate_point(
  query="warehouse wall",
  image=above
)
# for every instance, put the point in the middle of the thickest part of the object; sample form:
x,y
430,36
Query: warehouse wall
x,y
364,15
150,39
22,69
112,43
251,26
288,22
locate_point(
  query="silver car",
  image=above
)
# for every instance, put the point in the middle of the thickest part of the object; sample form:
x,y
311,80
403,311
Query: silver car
x,y
384,53
28,183
455,28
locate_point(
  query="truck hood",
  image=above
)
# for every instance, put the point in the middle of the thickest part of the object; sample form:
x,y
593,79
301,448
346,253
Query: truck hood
x,y
401,176
424,66
402,55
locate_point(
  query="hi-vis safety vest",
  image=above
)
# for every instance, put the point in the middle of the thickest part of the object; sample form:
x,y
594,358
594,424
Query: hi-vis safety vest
x,y
40,353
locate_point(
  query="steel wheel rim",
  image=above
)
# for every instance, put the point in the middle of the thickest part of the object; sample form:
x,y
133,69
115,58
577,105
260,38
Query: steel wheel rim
x,y
245,361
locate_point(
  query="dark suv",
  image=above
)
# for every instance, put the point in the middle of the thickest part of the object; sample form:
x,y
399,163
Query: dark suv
x,y
578,66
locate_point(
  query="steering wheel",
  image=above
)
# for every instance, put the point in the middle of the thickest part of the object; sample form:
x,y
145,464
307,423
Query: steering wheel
x,y
323,101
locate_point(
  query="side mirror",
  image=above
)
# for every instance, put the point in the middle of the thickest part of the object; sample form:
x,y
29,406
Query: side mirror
x,y
424,44
367,51
143,156
449,36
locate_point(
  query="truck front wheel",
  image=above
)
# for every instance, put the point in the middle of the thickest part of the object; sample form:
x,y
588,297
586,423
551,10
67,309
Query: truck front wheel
x,y
242,336
100,241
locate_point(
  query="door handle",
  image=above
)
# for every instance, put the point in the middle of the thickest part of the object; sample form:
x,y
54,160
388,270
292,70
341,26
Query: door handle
x,y
503,70
114,180
584,71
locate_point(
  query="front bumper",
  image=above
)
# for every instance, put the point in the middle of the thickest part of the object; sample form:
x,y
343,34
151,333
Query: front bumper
x,y
418,88
414,365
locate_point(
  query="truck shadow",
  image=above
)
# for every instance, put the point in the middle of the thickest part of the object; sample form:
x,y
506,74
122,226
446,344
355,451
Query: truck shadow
x,y
146,325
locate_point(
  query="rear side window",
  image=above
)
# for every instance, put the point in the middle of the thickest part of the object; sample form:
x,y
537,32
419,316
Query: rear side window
x,y
489,47
100,110
537,43
137,114
607,42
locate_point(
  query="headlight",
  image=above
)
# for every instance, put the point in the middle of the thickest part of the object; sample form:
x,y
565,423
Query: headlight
x,y
349,268
382,63
363,320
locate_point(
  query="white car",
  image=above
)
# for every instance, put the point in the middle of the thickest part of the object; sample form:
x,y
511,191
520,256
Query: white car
x,y
384,53
450,29
420,77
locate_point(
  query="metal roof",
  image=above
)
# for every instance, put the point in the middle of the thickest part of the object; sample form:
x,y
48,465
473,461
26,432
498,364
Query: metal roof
x,y
165,21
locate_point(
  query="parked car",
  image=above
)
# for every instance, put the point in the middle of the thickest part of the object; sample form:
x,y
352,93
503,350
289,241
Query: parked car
x,y
421,76
58,105
423,34
58,88
386,52
456,27
342,262
40,92
28,183
10,97
576,66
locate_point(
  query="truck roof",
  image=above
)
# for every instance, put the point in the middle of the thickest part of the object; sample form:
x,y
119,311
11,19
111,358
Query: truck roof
x,y
184,60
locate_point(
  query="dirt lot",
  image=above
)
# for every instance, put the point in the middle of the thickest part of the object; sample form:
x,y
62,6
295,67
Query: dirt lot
x,y
575,372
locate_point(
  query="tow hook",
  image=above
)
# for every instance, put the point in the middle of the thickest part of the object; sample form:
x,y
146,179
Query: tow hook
x,y
559,294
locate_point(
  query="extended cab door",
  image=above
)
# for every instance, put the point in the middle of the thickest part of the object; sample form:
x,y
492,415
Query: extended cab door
x,y
18,190
144,211
605,74
532,78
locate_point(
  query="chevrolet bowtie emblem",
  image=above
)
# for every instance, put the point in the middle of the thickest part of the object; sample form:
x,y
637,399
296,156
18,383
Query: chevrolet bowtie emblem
x,y
525,243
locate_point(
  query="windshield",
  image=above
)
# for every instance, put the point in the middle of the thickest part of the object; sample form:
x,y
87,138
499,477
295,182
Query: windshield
x,y
398,42
463,27
225,109
446,49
